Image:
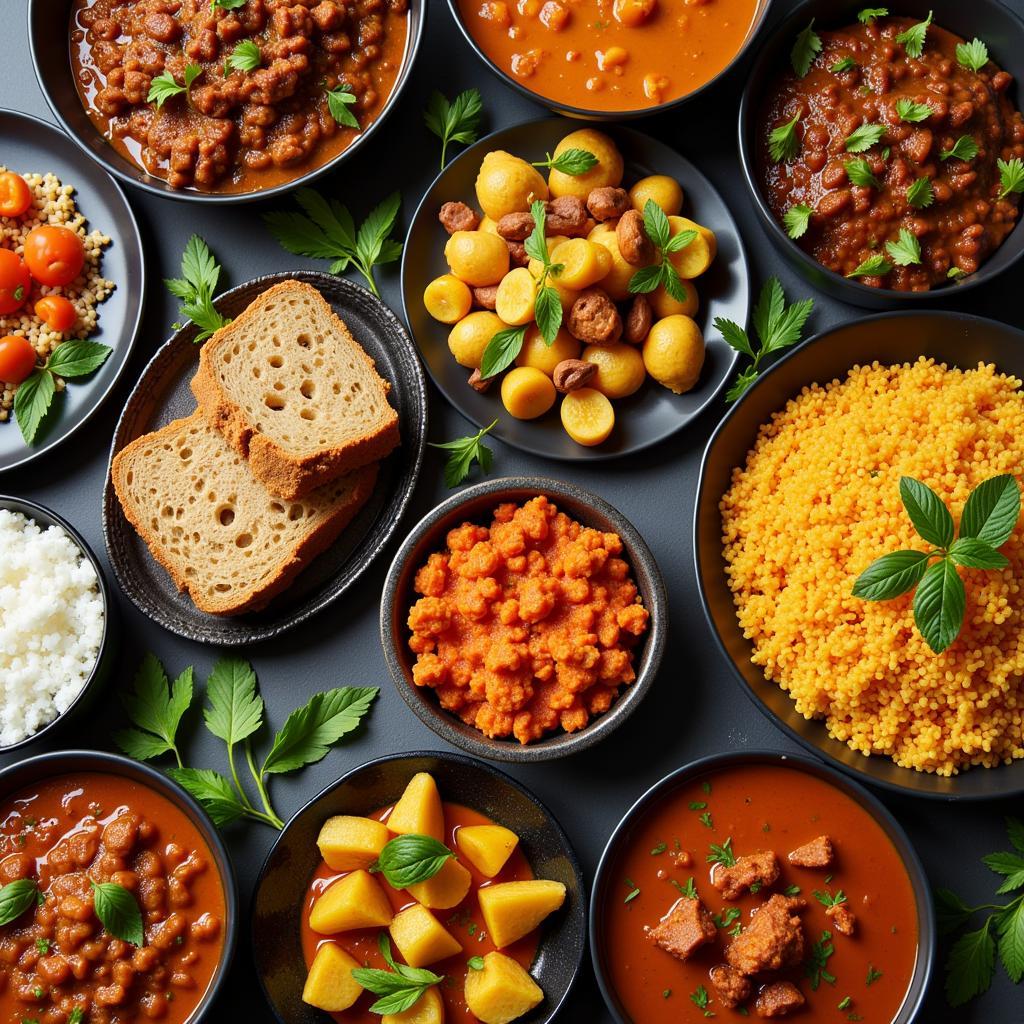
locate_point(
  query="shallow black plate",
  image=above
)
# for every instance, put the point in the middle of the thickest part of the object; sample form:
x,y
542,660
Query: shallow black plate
x,y
163,394
653,413
31,145
953,338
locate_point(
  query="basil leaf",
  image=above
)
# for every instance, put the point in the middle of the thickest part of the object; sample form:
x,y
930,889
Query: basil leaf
x,y
548,313
399,1001
213,792
972,553
411,858
31,402
501,351
927,512
118,912
338,102
891,575
992,510
939,603
77,358
16,897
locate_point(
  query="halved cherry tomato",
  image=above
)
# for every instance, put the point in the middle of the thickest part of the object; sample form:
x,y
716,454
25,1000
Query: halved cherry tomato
x,y
54,254
15,195
17,359
15,282
56,312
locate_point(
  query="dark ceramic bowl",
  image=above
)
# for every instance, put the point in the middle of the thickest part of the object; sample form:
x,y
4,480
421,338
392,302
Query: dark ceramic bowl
x,y
49,29
47,766
284,878
109,648
989,20
605,878
589,113
477,504
953,338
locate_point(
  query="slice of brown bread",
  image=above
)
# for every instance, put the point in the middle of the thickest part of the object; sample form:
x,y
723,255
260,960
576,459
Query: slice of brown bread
x,y
294,392
219,533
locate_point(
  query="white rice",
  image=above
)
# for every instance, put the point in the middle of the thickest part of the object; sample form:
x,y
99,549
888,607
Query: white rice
x,y
51,623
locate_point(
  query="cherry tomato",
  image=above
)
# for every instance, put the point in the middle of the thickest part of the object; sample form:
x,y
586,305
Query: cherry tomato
x,y
15,282
54,255
17,359
56,312
15,195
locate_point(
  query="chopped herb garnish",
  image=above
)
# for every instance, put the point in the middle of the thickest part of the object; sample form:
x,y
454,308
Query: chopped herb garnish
x,y
914,37
826,899
816,967
908,110
805,48
632,895
164,86
792,890
844,1003
796,220
697,805
726,917
863,137
869,14
858,170
874,266
755,887
573,162
705,820
846,64
1011,176
906,250
475,963
706,788
666,993
700,1000
973,55
463,452
339,100
783,144
244,57
689,890
455,121
965,148
722,854
873,975
920,194
954,272
42,946
659,849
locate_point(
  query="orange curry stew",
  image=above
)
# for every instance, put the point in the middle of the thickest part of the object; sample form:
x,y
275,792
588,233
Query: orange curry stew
x,y
57,962
605,55
464,921
753,809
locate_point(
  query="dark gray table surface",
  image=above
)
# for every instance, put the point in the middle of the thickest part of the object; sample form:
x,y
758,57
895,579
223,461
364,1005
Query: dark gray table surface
x,y
695,707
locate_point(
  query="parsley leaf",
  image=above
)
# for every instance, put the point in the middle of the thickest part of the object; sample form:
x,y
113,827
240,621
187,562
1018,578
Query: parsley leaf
x,y
339,99
1011,176
156,707
869,14
244,57
463,452
573,162
864,137
875,265
164,85
457,121
973,55
859,172
816,966
796,220
844,64
906,250
965,148
226,5
722,854
200,273
920,193
914,37
908,110
805,48
783,144
1011,942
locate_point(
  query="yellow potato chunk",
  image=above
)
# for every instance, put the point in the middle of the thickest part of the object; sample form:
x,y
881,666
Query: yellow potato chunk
x,y
447,299
421,938
507,184
488,225
347,843
419,809
692,260
477,257
616,280
584,263
355,901
664,305
428,1009
471,335
446,889
513,909
516,296
587,416
674,353
620,368
527,392
665,191
329,984
538,353
501,990
486,847
607,171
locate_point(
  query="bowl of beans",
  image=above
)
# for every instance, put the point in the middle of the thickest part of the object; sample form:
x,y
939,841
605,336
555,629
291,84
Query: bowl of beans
x,y
884,152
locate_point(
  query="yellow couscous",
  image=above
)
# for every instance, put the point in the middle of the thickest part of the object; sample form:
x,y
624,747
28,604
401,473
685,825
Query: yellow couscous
x,y
818,500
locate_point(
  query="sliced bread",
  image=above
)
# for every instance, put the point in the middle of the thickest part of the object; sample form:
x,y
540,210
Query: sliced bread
x,y
219,533
293,392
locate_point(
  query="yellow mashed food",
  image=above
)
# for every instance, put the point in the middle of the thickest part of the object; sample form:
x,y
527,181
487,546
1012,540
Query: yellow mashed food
x,y
818,500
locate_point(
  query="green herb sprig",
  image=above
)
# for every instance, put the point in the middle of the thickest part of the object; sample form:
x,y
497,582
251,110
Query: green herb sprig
x,y
164,85
1011,176
863,137
340,100
200,273
463,452
868,15
914,113
662,271
920,193
972,55
700,999
965,148
783,144
16,897
913,38
858,170
905,250
806,47
722,854
843,64
573,162
816,966
455,121
400,988
409,859
244,57
796,220
118,912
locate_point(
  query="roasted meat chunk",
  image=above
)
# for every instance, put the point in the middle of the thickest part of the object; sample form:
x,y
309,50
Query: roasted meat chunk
x,y
685,928
774,939
778,999
842,917
732,987
818,853
732,882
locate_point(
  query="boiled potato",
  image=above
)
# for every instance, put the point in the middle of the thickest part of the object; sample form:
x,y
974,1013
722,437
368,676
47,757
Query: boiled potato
x,y
620,368
517,294
674,353
616,280
471,335
488,225
587,416
501,990
419,809
664,305
428,1009
447,299
584,263
665,192
347,843
507,184
696,257
527,392
513,909
355,901
486,847
537,352
329,984
607,171
444,890
477,257
421,938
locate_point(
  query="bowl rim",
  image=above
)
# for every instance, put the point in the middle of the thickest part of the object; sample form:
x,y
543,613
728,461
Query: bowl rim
x,y
33,510
855,291
559,744
464,762
854,773
596,114
126,767
144,181
926,942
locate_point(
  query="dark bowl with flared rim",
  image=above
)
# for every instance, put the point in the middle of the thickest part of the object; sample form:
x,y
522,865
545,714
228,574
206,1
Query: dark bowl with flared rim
x,y
283,880
109,649
620,837
953,338
990,20
477,504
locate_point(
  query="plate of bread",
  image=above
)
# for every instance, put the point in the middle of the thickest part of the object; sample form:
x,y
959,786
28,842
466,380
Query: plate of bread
x,y
253,479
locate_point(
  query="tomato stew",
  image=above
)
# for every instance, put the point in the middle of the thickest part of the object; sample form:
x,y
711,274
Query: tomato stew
x,y
70,831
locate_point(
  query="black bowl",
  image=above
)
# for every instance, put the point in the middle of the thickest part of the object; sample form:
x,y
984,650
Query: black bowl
x,y
477,504
109,649
953,338
46,766
603,880
49,40
990,20
588,113
281,886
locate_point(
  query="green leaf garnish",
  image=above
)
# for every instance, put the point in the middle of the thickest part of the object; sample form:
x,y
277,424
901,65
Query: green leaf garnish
x,y
891,575
501,351
118,912
475,963
400,988
914,37
722,854
156,707
875,265
906,250
339,100
16,897
858,170
77,358
845,64
972,553
244,57
796,220
1011,176
164,85
908,110
573,162
991,511
864,137
816,966
827,899
700,999
873,975
783,144
965,148
662,271
463,452
213,792
971,964
954,272
869,14
409,859
920,193
226,5
457,121
200,273
973,55
805,48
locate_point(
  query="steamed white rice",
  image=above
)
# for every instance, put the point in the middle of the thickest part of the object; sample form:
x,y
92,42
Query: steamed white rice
x,y
51,623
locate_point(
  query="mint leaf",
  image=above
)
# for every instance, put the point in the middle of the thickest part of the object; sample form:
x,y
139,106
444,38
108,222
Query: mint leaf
x,y
939,603
501,351
118,912
891,575
32,401
411,858
548,314
235,710
992,510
